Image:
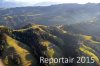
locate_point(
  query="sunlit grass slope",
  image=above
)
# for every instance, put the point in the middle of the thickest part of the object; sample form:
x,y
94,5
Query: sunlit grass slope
x,y
23,53
87,48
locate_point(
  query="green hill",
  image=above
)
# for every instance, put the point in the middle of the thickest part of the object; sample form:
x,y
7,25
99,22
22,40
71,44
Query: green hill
x,y
25,46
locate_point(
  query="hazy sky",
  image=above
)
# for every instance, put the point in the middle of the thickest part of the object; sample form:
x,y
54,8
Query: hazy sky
x,y
59,1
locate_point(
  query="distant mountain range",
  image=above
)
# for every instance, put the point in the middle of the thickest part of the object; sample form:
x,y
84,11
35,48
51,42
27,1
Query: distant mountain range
x,y
50,15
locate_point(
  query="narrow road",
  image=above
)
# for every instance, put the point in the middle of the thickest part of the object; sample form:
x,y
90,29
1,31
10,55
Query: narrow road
x,y
1,63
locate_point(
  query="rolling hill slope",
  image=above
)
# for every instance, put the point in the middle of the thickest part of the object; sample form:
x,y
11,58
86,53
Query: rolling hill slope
x,y
25,46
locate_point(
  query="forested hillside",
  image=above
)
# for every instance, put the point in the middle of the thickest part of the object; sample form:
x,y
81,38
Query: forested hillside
x,y
25,46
